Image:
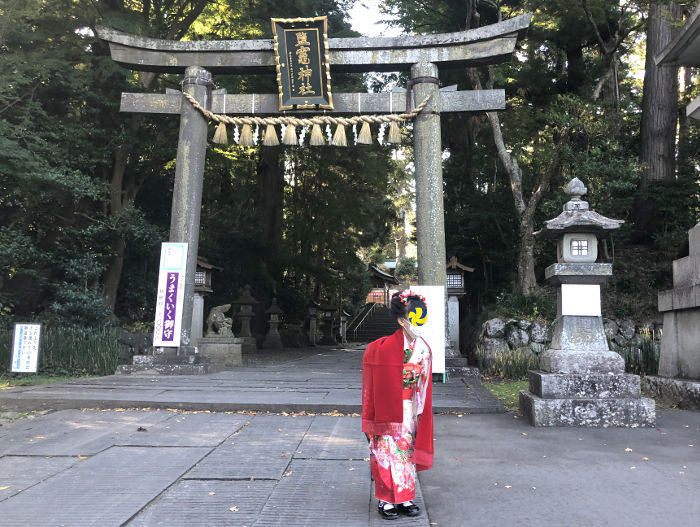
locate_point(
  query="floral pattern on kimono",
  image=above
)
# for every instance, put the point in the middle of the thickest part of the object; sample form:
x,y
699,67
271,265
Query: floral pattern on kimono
x,y
391,456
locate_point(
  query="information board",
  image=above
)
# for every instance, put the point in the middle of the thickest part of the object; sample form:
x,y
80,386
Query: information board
x,y
171,291
25,348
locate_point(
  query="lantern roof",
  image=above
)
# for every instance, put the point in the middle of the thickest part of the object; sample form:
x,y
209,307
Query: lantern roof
x,y
577,216
274,309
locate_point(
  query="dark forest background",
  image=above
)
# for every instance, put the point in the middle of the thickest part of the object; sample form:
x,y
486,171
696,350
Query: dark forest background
x,y
85,191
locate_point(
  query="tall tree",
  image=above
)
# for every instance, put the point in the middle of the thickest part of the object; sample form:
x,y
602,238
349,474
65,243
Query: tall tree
x,y
657,151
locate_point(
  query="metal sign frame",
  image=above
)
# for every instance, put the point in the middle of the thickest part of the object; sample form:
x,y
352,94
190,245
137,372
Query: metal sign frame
x,y
302,61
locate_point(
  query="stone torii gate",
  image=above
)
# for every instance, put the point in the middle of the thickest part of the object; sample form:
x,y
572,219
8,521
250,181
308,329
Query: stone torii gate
x,y
420,54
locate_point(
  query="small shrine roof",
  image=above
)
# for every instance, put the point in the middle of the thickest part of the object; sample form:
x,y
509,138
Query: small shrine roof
x,y
383,276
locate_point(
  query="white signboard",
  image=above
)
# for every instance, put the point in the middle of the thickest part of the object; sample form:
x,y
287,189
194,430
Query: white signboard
x,y
435,326
171,291
25,348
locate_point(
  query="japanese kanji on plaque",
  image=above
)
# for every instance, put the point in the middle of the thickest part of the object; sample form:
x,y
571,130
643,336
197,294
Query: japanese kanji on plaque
x,y
302,59
171,290
25,348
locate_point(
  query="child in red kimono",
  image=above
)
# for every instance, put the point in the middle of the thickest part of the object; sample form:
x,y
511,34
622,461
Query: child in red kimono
x,y
397,412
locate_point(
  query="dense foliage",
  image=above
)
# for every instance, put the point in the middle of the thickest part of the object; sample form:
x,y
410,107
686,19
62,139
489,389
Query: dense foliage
x,y
85,191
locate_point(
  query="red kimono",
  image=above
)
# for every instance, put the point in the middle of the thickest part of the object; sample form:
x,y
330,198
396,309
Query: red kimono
x,y
397,413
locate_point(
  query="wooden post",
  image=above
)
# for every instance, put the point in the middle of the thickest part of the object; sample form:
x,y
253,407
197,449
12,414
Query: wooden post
x,y
427,153
187,192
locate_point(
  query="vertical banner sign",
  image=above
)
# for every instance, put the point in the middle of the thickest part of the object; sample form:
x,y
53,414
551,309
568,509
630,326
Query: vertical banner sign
x,y
435,326
171,291
25,348
302,60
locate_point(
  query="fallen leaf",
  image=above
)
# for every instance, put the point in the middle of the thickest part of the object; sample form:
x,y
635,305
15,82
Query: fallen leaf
x,y
632,468
645,459
508,486
628,450
691,445
39,437
142,429
533,488
282,455
460,415
82,457
580,439
524,433
495,484
212,493
233,509
279,429
5,487
685,426
684,466
287,474
681,472
351,468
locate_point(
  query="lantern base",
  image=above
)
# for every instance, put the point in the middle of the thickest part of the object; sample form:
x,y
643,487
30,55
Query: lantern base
x,y
581,361
587,400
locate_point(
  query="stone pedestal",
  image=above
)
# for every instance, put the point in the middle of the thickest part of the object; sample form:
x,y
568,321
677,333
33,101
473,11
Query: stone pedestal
x,y
679,362
197,316
453,322
222,353
312,330
680,345
163,364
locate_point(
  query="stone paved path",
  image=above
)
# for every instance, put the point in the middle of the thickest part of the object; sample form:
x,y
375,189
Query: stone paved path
x,y
174,468
314,380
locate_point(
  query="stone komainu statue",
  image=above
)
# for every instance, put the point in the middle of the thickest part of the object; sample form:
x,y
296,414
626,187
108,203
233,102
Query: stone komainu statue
x,y
218,324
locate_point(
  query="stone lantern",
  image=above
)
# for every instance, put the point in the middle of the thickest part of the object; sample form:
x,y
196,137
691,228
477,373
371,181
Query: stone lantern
x,y
312,310
273,340
344,326
246,304
581,382
455,290
328,337
202,287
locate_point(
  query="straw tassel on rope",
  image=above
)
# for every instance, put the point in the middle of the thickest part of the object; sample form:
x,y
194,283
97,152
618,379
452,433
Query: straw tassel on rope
x,y
339,138
290,135
270,137
317,136
365,136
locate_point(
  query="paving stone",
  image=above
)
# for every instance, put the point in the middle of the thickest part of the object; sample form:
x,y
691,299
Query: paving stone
x,y
334,438
375,520
75,432
190,503
319,493
202,429
105,490
19,473
261,450
317,380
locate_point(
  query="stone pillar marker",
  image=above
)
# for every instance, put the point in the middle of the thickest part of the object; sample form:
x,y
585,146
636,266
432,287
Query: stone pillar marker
x,y
581,382
678,381
427,153
187,192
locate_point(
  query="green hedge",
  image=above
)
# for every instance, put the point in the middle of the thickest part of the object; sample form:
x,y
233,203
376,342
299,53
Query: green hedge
x,y
69,351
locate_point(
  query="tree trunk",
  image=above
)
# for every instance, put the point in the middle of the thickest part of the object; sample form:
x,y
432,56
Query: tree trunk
x,y
269,200
659,116
659,99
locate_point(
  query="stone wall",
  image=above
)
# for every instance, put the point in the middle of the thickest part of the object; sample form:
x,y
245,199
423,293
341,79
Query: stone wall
x,y
498,335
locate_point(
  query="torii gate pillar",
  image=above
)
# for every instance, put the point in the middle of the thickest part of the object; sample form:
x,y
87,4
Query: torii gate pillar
x,y
187,192
427,152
